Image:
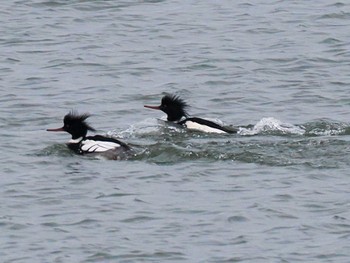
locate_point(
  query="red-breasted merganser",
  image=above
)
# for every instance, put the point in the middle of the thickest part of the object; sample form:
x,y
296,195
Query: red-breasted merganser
x,y
175,108
98,145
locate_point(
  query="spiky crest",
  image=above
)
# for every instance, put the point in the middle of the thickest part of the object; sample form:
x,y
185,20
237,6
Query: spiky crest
x,y
174,106
73,118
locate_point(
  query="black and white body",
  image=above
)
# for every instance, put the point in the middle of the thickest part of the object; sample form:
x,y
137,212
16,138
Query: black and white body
x,y
176,110
97,145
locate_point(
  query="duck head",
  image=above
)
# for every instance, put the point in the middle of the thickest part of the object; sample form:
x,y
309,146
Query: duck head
x,y
75,124
173,106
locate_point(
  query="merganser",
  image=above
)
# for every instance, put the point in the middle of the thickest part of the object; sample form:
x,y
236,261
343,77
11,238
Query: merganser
x,y
175,108
98,145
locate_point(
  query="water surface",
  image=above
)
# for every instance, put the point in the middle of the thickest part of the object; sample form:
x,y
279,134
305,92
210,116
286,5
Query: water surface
x,y
278,191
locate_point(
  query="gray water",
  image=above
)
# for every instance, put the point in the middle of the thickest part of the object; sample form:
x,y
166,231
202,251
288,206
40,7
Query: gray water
x,y
278,191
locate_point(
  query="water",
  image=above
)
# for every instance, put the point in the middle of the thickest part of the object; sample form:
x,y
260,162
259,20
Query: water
x,y
278,191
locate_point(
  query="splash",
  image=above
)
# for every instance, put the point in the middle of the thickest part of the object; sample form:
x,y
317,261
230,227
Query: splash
x,y
274,126
148,126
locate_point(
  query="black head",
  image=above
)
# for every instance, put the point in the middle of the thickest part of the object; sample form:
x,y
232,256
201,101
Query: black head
x,y
75,125
173,106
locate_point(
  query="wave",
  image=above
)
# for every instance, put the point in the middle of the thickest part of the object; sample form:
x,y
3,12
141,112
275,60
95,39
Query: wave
x,y
269,142
326,127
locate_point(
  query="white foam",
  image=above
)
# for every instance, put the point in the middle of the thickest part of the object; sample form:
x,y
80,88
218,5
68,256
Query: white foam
x,y
271,124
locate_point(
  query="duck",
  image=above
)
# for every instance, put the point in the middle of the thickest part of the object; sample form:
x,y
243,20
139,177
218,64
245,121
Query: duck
x,y
176,110
98,145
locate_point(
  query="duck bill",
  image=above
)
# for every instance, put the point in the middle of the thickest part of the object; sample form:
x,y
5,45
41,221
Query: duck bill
x,y
56,130
152,107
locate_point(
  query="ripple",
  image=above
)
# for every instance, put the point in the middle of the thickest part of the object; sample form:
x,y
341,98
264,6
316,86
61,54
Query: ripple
x,y
138,219
233,219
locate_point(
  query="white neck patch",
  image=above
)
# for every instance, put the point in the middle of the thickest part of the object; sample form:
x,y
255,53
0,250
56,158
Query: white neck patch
x,y
75,140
